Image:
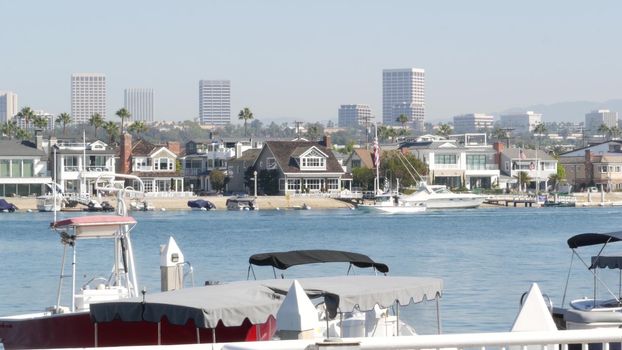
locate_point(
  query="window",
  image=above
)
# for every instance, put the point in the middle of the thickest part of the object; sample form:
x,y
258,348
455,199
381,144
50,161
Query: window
x,y
332,184
477,162
445,158
270,163
313,184
293,184
313,163
28,168
5,168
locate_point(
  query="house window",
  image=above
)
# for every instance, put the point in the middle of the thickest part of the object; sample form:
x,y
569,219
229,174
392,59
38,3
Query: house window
x,y
148,186
313,184
332,184
163,164
28,168
5,168
316,163
293,184
356,163
270,163
476,162
445,159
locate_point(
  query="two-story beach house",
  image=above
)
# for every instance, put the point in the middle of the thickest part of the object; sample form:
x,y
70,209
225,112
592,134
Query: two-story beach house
x,y
79,163
537,164
23,169
202,157
155,165
463,161
303,166
596,165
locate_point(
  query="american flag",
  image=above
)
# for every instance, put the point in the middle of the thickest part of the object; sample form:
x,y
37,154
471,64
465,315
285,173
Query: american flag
x,y
376,153
521,154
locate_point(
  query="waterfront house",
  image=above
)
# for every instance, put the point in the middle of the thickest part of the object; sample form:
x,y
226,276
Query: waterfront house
x,y
596,165
537,164
237,169
23,169
303,166
155,165
463,161
359,158
79,163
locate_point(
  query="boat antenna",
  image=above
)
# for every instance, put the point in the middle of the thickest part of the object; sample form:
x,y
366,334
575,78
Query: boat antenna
x,y
54,186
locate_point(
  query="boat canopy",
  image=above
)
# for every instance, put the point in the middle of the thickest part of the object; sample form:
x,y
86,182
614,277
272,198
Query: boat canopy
x,y
96,226
586,239
285,260
256,301
611,262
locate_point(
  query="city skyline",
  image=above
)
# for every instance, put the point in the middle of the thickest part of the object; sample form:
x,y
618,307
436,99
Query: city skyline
x,y
478,57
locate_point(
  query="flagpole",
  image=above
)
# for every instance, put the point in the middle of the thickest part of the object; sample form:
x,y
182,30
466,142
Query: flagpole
x,y
377,158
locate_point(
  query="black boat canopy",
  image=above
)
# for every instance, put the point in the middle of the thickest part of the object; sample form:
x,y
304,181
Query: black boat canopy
x,y
612,262
285,260
586,239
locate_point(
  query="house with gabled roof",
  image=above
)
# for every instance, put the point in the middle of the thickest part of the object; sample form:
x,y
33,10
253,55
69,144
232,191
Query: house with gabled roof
x,y
595,165
359,158
155,165
303,166
23,169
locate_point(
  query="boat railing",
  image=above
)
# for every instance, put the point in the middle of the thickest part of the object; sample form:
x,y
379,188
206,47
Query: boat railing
x,y
608,338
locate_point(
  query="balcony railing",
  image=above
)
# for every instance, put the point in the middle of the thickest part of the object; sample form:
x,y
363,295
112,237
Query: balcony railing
x,y
446,166
482,167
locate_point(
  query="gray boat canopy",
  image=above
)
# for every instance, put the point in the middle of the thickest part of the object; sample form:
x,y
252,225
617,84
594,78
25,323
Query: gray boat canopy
x,y
611,262
256,301
586,239
285,260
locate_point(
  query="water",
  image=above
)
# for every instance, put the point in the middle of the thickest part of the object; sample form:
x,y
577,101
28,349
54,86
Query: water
x,y
486,257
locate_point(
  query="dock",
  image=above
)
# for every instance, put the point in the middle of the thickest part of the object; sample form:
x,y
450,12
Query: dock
x,y
514,200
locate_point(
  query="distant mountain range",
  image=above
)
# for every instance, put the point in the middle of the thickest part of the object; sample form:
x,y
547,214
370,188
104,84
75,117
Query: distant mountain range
x,y
568,111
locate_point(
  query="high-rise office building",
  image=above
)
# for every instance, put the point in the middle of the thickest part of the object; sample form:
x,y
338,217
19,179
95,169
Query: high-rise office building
x,y
354,115
139,102
215,102
8,105
88,96
473,122
403,92
520,123
595,119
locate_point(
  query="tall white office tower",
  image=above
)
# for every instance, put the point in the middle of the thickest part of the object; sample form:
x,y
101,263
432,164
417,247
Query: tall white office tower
x,y
215,102
354,115
403,92
88,96
520,123
139,102
8,105
595,119
473,122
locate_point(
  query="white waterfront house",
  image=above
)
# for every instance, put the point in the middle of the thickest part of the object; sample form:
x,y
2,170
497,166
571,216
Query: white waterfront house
x,y
79,164
537,164
23,169
463,161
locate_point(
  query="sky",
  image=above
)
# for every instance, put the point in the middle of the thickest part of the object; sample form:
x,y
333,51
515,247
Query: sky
x,y
300,60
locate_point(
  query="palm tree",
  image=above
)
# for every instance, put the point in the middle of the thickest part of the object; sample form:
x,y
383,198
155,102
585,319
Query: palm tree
x,y
26,115
444,130
603,129
21,134
123,114
540,129
138,127
9,128
402,119
523,178
614,132
40,122
96,121
246,115
112,129
64,118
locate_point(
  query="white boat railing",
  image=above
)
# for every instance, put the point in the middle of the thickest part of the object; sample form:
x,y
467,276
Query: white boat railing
x,y
480,341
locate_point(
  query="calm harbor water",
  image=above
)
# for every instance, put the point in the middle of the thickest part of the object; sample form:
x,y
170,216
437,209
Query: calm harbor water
x,y
487,257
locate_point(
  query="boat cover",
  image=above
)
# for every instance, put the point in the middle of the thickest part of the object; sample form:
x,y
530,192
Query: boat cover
x,y
256,301
95,226
4,205
586,239
201,203
285,260
612,262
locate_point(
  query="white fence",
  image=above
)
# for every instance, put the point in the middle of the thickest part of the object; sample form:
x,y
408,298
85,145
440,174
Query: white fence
x,y
169,194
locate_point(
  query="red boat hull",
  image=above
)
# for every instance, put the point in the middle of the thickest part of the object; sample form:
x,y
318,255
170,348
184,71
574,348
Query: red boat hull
x,y
77,330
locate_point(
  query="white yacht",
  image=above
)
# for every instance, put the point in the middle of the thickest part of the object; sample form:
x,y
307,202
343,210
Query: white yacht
x,y
394,204
50,202
439,197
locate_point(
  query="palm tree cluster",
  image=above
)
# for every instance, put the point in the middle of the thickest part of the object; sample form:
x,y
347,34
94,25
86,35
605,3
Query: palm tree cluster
x,y
613,132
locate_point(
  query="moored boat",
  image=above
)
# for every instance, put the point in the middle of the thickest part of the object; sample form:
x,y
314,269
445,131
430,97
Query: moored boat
x,y
242,203
394,204
6,207
440,197
201,204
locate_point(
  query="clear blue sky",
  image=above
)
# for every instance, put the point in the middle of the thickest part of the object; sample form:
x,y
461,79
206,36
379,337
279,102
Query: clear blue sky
x,y
302,59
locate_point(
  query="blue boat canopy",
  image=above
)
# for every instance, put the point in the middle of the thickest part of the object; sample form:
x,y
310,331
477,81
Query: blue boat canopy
x,y
586,239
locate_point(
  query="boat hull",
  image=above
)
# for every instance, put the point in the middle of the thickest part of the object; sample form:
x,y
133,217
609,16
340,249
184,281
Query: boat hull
x,y
454,203
77,330
393,209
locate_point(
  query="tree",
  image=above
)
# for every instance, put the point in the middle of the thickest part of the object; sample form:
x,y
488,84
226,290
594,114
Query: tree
x,y
603,129
246,115
138,127
21,134
123,114
63,118
363,178
9,128
402,119
96,121
443,130
539,129
217,179
614,132
26,115
523,179
40,122
499,134
396,164
112,129
268,181
314,131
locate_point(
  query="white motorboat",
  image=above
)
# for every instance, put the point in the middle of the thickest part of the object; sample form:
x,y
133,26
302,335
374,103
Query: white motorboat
x,y
242,203
394,204
440,197
50,202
